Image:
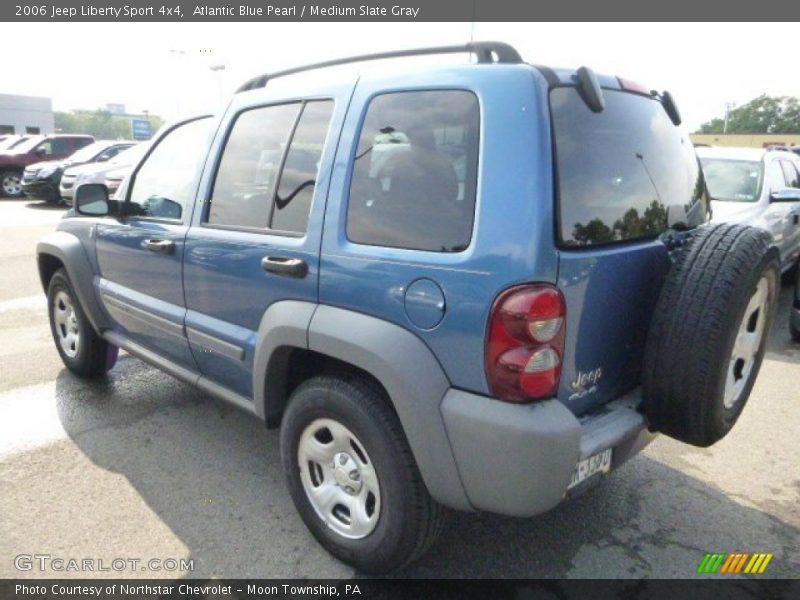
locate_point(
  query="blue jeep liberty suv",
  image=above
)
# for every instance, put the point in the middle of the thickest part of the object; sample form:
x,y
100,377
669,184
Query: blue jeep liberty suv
x,y
478,287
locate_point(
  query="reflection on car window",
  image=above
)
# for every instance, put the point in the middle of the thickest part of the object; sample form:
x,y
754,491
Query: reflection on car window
x,y
248,171
165,185
621,170
733,180
299,174
415,172
791,174
775,178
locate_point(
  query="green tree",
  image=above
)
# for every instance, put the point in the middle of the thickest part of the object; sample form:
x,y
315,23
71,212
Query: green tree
x,y
594,232
765,114
100,123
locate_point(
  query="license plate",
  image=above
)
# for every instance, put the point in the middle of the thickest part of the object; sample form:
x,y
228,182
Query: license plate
x,y
597,463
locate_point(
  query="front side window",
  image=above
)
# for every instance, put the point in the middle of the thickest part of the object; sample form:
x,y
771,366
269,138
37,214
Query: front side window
x,y
60,146
620,170
166,183
415,172
733,180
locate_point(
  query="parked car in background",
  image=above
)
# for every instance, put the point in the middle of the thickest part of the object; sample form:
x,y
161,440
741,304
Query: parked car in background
x,y
41,180
490,313
757,187
97,172
36,149
114,179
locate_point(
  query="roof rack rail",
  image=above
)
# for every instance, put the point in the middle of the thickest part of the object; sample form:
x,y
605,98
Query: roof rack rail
x,y
487,52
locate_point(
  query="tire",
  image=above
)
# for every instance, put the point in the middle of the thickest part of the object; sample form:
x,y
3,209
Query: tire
x,y
11,184
405,520
722,288
88,355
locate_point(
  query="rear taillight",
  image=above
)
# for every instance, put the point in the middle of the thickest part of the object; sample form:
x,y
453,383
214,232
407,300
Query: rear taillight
x,y
525,343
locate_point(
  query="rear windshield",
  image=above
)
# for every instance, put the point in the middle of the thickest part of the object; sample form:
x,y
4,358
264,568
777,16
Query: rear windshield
x,y
620,171
733,180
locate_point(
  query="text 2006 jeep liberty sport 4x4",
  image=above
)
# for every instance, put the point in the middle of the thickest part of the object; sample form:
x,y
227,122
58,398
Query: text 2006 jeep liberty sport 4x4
x,y
474,287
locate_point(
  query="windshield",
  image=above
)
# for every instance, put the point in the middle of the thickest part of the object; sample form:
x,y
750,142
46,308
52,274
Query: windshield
x,y
89,152
27,145
733,180
621,171
131,155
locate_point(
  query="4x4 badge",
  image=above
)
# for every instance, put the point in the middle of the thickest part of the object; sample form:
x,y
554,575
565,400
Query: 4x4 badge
x,y
585,383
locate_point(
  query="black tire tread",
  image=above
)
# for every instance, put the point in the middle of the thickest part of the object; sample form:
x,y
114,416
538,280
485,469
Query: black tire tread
x,y
93,362
681,360
429,516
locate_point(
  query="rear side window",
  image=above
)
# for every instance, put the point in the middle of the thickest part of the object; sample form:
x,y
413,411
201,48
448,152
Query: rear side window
x,y
415,172
621,170
269,167
299,174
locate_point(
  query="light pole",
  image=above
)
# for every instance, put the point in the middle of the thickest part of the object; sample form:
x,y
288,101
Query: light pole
x,y
218,69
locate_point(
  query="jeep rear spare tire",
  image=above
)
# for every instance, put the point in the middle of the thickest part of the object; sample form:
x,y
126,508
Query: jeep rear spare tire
x,y
708,334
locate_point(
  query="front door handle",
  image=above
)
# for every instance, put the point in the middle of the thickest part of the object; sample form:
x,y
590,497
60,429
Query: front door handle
x,y
283,265
160,246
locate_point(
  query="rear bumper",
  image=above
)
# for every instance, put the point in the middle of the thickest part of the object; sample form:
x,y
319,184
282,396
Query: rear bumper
x,y
519,459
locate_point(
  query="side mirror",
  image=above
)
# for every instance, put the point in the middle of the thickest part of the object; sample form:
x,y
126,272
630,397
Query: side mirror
x,y
91,200
786,195
40,151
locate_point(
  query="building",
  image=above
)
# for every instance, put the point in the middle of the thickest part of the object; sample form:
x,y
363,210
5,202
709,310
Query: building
x,y
756,140
26,114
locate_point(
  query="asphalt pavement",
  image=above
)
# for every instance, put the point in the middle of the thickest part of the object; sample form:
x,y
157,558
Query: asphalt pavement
x,y
141,466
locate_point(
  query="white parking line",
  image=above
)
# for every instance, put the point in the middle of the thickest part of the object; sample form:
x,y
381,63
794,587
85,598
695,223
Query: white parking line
x,y
27,419
39,301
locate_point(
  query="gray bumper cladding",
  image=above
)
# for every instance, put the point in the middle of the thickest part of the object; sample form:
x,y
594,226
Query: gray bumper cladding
x,y
519,459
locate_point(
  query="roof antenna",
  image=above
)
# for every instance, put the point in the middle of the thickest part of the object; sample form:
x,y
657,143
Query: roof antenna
x,y
472,23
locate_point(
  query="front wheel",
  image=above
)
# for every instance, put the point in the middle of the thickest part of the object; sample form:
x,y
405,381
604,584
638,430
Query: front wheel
x,y
82,351
352,476
11,184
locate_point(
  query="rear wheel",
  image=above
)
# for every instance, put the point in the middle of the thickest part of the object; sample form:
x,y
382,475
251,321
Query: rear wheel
x,y
352,476
708,335
83,351
11,184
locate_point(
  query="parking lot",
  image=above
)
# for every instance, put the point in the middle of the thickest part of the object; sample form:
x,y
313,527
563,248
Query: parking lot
x,y
143,466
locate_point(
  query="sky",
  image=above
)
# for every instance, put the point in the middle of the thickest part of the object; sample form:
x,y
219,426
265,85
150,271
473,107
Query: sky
x,y
165,68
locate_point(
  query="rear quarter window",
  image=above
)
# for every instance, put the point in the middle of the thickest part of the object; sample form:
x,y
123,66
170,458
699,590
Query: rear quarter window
x,y
619,171
415,172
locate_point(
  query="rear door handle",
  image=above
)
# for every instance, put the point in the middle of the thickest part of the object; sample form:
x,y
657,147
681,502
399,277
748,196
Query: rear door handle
x,y
283,265
160,246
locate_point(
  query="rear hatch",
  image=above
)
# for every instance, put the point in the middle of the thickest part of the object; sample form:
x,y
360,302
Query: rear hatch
x,y
622,174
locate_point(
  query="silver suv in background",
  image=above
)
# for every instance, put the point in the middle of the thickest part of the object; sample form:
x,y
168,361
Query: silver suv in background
x,y
750,186
97,172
